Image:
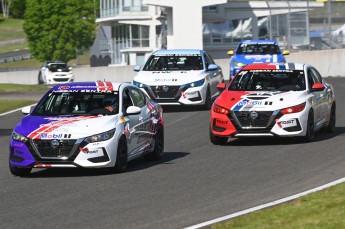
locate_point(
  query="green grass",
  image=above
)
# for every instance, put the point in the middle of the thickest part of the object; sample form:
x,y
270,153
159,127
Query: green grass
x,y
324,209
9,48
8,105
21,87
11,29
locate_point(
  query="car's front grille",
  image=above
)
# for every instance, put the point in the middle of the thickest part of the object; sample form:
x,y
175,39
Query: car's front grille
x,y
61,79
165,92
46,150
260,119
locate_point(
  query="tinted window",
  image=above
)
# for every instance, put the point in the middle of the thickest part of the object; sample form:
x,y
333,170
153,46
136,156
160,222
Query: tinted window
x,y
255,49
138,97
173,63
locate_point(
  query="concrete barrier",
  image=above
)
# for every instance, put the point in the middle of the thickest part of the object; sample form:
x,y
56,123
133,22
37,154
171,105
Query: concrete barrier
x,y
328,62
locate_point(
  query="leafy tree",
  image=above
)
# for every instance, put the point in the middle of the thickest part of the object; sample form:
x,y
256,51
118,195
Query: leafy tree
x,y
56,30
17,9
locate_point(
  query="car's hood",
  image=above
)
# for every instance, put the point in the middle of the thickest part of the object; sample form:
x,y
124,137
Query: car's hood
x,y
168,77
260,100
44,127
248,59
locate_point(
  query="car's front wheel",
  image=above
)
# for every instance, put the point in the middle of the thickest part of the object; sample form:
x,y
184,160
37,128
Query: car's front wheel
x,y
217,140
157,153
40,80
208,99
331,125
309,136
19,171
121,156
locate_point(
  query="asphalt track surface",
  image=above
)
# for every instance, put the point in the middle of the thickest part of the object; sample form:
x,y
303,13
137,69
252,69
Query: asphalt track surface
x,y
195,182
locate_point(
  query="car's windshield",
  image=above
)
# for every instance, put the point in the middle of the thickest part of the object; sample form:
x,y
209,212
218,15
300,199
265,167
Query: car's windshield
x,y
58,67
78,103
174,63
269,80
258,49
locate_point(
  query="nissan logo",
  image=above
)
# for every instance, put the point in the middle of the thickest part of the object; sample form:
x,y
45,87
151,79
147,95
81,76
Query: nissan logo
x,y
253,115
55,144
165,88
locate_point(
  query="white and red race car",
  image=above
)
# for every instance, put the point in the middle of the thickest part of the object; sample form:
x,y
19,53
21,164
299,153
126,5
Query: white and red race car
x,y
273,99
87,124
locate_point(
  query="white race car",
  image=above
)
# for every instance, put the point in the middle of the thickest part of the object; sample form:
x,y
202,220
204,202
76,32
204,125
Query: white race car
x,y
180,77
273,99
55,72
90,125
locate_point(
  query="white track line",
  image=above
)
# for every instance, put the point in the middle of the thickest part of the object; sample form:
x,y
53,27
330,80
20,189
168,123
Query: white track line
x,y
270,204
9,112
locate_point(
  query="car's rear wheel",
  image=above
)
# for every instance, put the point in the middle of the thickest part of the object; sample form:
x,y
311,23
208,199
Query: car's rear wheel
x,y
121,156
309,136
157,153
217,140
331,125
17,171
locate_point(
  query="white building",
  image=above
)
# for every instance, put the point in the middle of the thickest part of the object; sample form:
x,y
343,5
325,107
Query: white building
x,y
131,29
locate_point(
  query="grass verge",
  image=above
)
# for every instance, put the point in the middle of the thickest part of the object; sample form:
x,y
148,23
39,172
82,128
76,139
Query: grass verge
x,y
324,209
9,105
20,88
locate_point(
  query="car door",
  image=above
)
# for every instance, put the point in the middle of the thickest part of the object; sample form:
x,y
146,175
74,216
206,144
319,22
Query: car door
x,y
215,76
132,121
318,96
143,129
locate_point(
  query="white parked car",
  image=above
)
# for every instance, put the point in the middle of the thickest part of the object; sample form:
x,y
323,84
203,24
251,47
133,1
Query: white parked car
x,y
87,125
180,77
55,72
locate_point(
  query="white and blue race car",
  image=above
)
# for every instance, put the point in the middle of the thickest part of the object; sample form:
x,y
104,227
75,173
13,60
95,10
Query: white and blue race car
x,y
180,77
89,125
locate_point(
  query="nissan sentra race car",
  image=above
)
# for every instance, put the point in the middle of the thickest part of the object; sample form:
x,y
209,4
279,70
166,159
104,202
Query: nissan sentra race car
x,y
273,99
180,77
255,51
87,124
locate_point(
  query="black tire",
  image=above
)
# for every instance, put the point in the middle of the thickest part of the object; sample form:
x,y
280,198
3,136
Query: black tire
x,y
217,140
309,136
330,128
208,99
121,156
22,172
157,153
40,80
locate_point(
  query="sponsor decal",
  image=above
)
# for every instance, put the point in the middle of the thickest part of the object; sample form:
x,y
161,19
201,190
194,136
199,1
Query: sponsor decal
x,y
249,103
286,123
63,87
54,136
223,122
188,94
165,80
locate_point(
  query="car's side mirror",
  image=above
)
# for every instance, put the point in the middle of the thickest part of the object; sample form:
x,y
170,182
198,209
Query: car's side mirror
x,y
70,68
318,87
133,110
231,52
212,67
136,68
27,110
286,52
221,86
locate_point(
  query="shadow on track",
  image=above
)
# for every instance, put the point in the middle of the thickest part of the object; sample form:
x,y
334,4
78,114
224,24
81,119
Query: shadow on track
x,y
135,165
172,109
259,141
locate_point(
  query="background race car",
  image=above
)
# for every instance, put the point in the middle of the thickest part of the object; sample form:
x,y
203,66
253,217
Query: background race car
x,y
255,51
285,100
90,125
180,77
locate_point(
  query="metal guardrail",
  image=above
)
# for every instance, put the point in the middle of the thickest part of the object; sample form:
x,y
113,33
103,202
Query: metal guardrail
x,y
15,58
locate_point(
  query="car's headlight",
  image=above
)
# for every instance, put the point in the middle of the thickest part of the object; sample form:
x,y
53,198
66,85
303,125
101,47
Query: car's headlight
x,y
238,64
100,137
195,84
294,109
19,137
220,110
138,84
